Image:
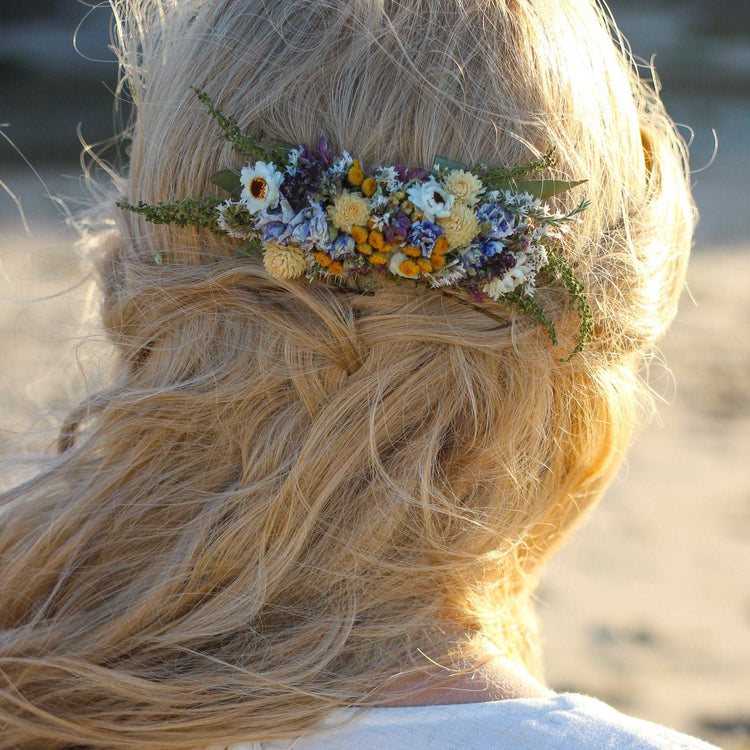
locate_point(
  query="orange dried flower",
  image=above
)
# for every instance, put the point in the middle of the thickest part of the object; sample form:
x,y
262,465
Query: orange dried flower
x,y
378,259
322,259
369,186
441,246
412,251
437,262
364,248
424,265
376,239
359,234
408,268
355,175
336,267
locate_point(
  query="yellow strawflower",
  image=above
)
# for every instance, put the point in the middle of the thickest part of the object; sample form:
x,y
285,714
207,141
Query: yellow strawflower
x,y
437,262
465,186
284,262
408,268
460,228
375,238
441,246
348,210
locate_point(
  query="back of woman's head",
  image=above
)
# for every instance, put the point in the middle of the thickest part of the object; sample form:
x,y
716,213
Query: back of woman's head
x,y
290,487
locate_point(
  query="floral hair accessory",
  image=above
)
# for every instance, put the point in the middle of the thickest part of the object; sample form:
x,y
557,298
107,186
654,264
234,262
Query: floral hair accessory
x,y
477,234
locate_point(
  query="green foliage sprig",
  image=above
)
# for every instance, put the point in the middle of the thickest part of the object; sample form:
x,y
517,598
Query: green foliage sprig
x,y
195,212
533,309
565,274
492,175
253,146
500,178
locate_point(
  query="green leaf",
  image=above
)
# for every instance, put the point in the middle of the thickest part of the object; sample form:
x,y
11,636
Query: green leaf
x,y
439,164
228,179
253,249
540,188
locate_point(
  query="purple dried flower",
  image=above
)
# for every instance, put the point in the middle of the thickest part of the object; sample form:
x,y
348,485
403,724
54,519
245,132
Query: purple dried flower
x,y
304,186
398,228
418,173
475,294
401,170
324,150
498,265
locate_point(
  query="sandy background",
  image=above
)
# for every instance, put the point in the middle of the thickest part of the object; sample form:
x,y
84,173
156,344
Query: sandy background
x,y
648,607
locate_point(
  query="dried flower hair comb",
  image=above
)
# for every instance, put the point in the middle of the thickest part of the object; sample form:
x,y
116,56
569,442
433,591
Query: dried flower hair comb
x,y
476,234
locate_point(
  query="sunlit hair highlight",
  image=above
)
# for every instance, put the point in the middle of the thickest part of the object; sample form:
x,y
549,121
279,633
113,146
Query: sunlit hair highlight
x,y
290,491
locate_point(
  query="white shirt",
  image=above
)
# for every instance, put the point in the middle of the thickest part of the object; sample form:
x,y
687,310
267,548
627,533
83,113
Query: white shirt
x,y
562,722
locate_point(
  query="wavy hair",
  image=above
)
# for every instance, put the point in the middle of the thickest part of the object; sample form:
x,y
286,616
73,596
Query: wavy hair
x,y
289,488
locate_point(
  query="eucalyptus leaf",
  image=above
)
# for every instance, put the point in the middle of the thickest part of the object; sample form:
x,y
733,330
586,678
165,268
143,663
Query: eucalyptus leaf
x,y
229,180
540,188
254,249
439,164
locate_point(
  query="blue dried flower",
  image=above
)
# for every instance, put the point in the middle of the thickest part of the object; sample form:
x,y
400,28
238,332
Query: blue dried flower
x,y
472,258
501,223
277,224
423,234
342,246
311,228
490,247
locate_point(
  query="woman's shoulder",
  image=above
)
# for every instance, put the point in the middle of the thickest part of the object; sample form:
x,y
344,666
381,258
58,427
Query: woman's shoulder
x,y
561,722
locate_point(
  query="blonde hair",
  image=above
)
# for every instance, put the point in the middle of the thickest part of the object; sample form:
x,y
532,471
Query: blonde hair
x,y
288,487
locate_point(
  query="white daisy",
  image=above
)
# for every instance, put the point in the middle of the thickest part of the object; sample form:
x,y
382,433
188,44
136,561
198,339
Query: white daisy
x,y
260,186
431,199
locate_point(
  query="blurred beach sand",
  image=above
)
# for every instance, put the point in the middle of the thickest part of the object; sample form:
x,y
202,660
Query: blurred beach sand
x,y
648,607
